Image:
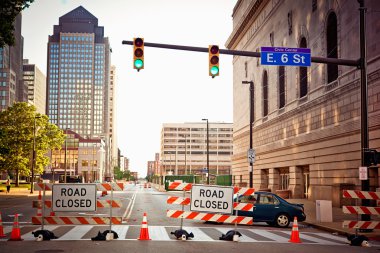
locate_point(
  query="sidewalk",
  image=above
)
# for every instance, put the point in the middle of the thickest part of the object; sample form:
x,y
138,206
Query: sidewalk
x,y
14,192
336,226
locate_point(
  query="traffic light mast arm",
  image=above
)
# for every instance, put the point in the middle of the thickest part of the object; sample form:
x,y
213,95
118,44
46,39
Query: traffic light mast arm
x,y
345,62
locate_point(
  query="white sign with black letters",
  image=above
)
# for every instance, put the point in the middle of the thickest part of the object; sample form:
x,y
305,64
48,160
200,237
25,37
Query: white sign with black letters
x,y
212,199
74,197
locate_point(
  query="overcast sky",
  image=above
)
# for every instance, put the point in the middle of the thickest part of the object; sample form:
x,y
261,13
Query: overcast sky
x,y
174,87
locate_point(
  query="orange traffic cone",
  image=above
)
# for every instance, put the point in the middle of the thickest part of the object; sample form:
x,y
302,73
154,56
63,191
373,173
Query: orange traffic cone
x,y
39,208
1,228
144,233
15,235
295,236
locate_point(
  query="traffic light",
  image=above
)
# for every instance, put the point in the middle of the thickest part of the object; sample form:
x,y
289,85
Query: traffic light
x,y
138,53
213,60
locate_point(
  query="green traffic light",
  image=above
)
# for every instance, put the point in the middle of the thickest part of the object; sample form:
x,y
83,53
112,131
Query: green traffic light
x,y
138,63
214,70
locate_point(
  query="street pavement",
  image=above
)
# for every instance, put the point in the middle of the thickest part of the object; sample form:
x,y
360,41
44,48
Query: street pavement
x,y
334,227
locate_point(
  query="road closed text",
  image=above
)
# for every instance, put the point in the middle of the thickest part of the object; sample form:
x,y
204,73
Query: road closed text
x,y
74,197
211,199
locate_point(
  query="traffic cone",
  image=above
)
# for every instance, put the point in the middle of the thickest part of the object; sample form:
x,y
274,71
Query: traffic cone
x,y
1,228
144,233
39,208
15,235
295,236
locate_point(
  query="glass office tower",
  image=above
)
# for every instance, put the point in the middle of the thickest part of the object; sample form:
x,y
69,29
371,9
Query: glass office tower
x,y
78,74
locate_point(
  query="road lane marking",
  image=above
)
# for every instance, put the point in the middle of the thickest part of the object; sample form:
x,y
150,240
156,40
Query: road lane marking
x,y
199,235
269,235
121,230
158,233
76,232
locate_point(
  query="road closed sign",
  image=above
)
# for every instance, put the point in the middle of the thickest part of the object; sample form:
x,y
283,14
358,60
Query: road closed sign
x,y
212,199
74,197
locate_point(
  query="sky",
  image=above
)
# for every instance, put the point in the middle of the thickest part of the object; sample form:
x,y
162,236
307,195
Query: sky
x,y
174,86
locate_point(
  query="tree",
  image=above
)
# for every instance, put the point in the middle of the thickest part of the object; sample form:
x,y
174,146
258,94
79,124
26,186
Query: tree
x,y
16,139
9,9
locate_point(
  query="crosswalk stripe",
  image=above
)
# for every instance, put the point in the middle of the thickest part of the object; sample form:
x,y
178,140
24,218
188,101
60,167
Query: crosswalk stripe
x,y
269,235
304,236
333,237
199,235
158,233
76,232
121,230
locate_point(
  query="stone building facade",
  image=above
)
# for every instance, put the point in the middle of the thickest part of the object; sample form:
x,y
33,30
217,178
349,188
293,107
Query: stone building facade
x,y
306,129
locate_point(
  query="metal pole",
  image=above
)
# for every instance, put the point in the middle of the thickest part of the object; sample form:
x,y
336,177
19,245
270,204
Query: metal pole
x,y
33,156
185,154
65,163
208,153
250,130
345,62
364,103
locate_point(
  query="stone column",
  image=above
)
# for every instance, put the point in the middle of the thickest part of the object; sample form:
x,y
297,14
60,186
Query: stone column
x,y
295,182
273,180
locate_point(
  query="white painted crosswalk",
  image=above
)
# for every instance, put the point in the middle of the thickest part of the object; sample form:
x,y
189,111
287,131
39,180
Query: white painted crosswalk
x,y
163,233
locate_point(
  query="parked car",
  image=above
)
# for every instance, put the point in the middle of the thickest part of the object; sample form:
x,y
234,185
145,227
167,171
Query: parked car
x,y
272,209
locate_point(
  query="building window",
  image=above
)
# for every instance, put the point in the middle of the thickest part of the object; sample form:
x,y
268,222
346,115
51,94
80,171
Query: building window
x,y
265,94
332,46
284,178
303,73
281,86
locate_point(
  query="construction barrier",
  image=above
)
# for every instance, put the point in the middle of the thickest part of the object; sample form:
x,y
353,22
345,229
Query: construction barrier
x,y
186,201
209,217
361,209
144,231
1,228
79,220
100,203
225,218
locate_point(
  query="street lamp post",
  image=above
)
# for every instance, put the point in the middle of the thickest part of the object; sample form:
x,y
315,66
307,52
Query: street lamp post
x,y
34,154
65,162
185,154
251,90
208,155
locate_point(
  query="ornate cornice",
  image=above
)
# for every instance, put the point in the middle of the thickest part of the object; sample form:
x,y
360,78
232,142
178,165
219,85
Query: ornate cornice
x,y
251,13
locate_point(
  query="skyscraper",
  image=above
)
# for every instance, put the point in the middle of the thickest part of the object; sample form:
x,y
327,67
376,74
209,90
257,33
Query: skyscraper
x,y
35,80
78,74
12,88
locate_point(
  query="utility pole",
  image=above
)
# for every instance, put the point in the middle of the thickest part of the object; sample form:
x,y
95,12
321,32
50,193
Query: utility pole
x,y
34,154
208,154
251,111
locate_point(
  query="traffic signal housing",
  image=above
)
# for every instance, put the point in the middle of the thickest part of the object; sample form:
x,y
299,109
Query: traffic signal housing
x,y
213,60
371,157
138,53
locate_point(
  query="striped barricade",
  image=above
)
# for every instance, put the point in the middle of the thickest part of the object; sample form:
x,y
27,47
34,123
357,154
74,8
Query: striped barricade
x,y
78,220
187,187
209,217
99,203
186,201
100,186
361,209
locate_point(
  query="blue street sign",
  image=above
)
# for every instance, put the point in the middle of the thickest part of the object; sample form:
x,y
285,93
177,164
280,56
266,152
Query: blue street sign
x,y
286,56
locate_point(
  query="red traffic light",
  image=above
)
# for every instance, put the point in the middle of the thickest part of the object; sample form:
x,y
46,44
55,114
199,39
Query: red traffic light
x,y
139,42
214,49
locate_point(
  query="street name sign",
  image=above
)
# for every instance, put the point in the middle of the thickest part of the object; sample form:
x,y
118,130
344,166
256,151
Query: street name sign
x,y
212,199
286,56
74,197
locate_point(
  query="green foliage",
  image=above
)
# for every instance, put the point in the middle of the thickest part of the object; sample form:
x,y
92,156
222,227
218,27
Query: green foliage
x,y
118,174
16,139
9,9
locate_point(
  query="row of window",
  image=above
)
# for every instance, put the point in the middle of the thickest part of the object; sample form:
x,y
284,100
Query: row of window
x,y
332,70
76,38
